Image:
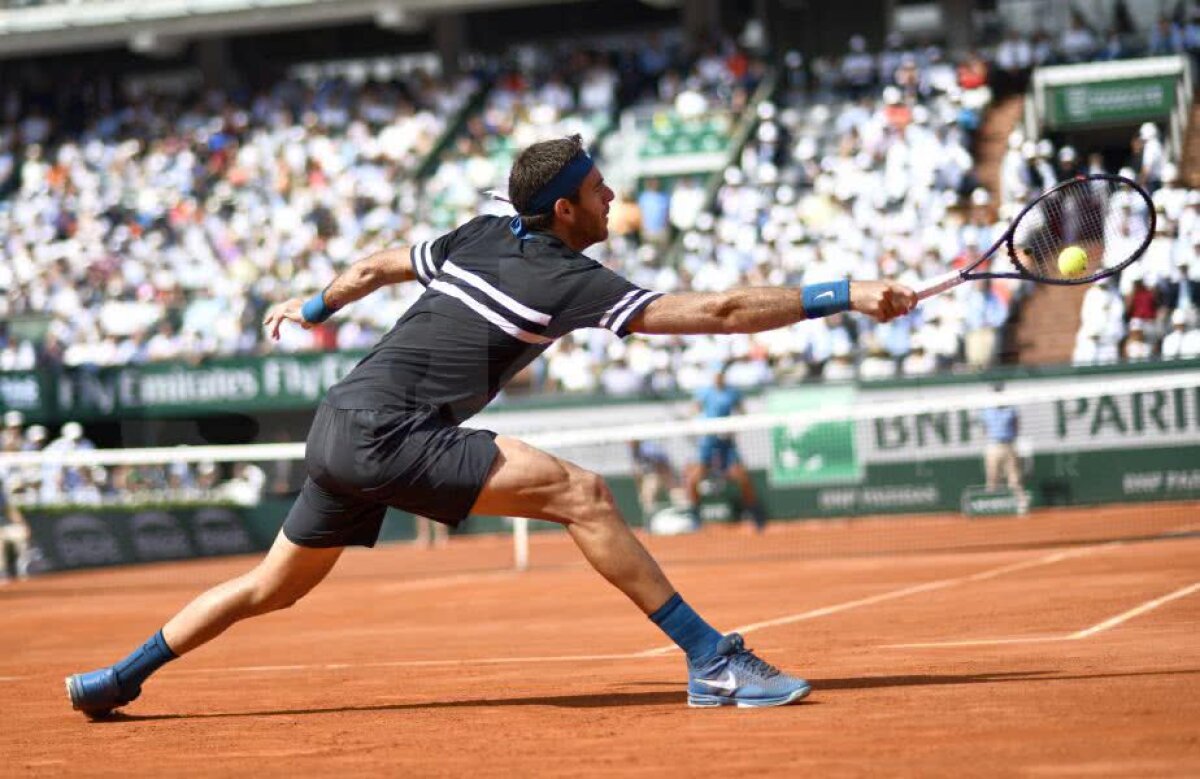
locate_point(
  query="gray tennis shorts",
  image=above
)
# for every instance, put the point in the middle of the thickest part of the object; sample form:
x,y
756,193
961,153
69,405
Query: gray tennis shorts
x,y
361,461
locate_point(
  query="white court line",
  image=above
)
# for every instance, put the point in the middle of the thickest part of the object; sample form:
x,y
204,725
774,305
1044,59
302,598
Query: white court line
x,y
825,611
1112,622
433,582
1099,627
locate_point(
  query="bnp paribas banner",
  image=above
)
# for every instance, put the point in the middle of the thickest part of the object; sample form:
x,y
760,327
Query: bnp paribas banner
x,y
1074,449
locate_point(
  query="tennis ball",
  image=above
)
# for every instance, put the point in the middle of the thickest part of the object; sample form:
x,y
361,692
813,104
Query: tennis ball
x,y
1072,261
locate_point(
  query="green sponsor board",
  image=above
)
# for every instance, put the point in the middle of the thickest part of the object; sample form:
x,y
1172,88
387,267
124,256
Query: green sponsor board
x,y
81,537
1120,101
242,385
818,453
999,502
1064,479
24,391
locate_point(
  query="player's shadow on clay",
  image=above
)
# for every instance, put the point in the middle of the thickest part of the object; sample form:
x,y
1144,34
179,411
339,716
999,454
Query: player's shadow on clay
x,y
662,698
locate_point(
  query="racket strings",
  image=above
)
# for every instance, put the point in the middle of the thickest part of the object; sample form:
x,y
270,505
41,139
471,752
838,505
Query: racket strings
x,y
1108,219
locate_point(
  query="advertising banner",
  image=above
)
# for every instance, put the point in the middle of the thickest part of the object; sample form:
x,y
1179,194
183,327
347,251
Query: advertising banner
x,y
1124,101
85,538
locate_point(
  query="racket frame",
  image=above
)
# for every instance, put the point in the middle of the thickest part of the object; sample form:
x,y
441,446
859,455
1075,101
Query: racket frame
x,y
945,281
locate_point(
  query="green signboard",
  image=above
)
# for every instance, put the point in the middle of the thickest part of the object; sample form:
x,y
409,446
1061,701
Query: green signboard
x,y
1119,101
1130,447
247,385
997,502
818,453
24,391
82,537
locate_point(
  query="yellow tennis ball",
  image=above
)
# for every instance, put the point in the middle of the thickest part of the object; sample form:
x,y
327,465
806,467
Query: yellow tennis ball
x,y
1072,261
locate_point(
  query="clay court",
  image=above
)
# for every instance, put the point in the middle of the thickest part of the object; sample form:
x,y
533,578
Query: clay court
x,y
1061,644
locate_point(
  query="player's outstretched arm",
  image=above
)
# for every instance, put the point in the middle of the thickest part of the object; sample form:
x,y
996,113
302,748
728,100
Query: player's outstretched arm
x,y
390,266
755,309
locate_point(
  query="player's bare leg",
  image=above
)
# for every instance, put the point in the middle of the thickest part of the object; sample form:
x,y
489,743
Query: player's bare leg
x,y
285,575
528,482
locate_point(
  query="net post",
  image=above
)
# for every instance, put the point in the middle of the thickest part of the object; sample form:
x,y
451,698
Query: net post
x,y
520,543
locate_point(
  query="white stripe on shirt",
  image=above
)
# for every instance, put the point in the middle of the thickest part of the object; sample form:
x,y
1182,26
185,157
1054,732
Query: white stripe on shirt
x,y
608,315
427,259
489,314
414,257
639,300
513,305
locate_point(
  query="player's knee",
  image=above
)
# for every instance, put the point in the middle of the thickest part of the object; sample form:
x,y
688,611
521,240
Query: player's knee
x,y
593,497
264,597
266,602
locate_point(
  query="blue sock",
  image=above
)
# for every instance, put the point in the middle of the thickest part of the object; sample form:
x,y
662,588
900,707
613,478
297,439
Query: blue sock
x,y
686,628
145,660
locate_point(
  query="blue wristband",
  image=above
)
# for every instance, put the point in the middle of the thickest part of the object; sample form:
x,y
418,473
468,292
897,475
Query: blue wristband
x,y
832,297
315,310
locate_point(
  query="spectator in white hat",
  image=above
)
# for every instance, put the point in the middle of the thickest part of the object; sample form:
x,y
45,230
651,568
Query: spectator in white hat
x,y
1137,349
1150,155
918,361
11,438
1171,198
35,438
1183,342
1015,180
1041,171
1068,163
55,478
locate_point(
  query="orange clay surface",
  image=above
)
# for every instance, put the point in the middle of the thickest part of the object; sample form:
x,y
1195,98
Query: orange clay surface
x,y
1061,644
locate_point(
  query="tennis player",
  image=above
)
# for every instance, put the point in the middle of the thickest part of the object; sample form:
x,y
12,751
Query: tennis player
x,y
498,292
718,454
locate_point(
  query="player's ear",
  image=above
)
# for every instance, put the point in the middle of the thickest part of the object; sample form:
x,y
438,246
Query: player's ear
x,y
564,210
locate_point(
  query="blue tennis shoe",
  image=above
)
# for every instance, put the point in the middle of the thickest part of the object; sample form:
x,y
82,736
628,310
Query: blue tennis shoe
x,y
735,676
97,693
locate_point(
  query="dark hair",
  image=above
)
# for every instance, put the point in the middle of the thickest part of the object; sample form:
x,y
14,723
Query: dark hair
x,y
533,169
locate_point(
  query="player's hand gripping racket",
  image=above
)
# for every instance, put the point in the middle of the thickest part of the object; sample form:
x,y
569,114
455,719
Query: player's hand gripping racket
x,y
1078,232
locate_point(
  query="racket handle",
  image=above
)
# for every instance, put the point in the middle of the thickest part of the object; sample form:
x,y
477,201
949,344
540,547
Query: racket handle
x,y
931,287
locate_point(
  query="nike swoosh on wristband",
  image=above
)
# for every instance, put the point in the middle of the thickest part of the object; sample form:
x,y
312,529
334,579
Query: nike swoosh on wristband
x,y
727,683
824,294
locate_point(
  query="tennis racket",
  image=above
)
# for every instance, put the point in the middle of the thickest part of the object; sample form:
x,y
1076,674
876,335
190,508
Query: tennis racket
x,y
1109,217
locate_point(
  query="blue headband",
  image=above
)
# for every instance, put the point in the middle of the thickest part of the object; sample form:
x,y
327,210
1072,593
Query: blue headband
x,y
564,184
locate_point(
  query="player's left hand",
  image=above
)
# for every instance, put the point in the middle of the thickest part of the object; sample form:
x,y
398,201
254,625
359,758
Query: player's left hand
x,y
881,300
287,311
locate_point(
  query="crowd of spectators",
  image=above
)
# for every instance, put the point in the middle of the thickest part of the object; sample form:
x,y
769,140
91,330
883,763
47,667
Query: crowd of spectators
x,y
1149,311
1152,309
873,179
52,483
1017,54
164,228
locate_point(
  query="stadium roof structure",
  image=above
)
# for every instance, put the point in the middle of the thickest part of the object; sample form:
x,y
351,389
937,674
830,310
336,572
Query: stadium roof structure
x,y
162,26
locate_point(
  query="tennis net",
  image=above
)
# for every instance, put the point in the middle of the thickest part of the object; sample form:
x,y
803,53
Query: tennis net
x,y
853,470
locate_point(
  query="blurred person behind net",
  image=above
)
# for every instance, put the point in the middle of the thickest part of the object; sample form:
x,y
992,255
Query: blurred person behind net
x,y
15,535
718,454
1002,424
